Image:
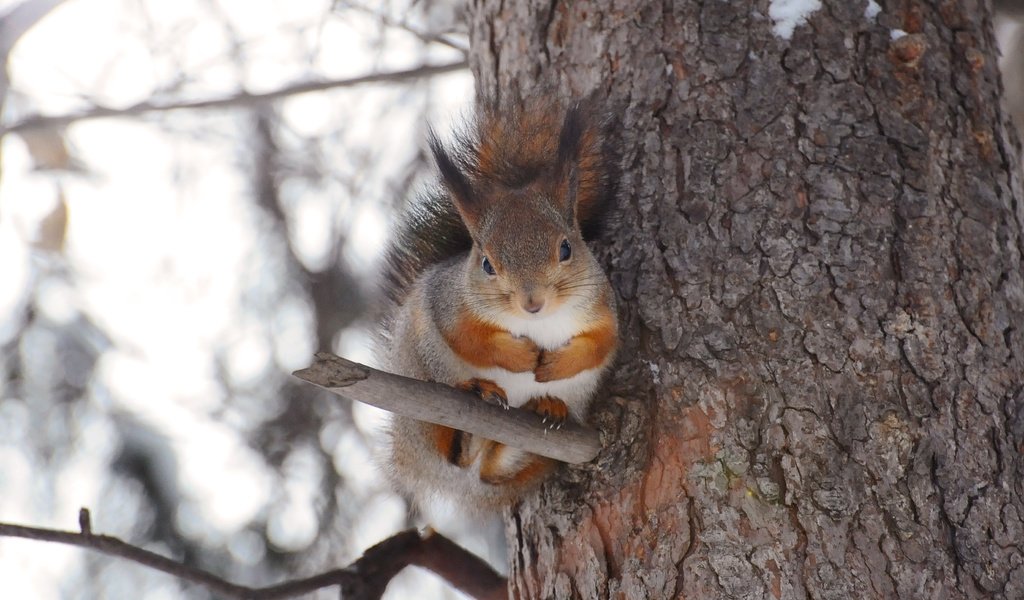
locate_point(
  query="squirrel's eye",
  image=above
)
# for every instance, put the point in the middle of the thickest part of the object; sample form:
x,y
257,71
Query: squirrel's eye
x,y
564,251
488,267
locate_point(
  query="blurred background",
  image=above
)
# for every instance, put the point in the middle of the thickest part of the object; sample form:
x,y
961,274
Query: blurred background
x,y
193,198
162,271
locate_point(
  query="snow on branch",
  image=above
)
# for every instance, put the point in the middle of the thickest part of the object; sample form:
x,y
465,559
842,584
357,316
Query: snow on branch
x,y
444,405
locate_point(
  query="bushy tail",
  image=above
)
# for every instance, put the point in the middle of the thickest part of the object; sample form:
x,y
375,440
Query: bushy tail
x,y
428,231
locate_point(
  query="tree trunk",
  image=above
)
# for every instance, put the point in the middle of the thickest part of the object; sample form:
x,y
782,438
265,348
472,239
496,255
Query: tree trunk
x,y
818,260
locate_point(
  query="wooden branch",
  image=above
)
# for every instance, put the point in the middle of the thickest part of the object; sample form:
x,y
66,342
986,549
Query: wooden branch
x,y
445,405
241,99
365,579
469,574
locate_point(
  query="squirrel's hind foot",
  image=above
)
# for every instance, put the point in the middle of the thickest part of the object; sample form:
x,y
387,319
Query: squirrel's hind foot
x,y
487,390
554,410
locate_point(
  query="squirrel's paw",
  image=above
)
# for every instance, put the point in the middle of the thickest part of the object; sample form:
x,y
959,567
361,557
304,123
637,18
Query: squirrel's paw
x,y
487,390
554,410
517,354
554,365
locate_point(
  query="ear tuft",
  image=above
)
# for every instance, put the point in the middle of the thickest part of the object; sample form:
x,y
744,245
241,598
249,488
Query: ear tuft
x,y
568,156
455,180
570,137
588,161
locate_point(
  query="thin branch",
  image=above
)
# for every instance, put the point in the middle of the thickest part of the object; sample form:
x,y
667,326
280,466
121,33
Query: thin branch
x,y
444,405
365,579
469,574
423,36
239,99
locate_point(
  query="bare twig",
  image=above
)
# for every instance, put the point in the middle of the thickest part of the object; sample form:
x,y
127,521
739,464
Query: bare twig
x,y
424,36
469,574
239,99
365,579
444,405
84,521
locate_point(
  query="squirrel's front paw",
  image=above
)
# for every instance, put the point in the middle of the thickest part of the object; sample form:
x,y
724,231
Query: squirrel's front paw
x,y
487,390
554,365
517,354
554,410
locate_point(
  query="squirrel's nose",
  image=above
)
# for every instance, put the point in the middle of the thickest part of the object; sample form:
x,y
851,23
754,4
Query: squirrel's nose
x,y
532,305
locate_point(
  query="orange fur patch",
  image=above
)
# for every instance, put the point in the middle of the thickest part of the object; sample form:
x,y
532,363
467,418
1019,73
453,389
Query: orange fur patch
x,y
591,172
484,345
534,470
585,351
448,442
495,472
530,136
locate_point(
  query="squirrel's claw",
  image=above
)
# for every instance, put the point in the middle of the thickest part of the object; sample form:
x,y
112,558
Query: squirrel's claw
x,y
486,390
553,410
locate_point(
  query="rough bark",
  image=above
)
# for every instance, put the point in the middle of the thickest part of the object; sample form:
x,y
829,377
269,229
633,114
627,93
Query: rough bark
x,y
818,262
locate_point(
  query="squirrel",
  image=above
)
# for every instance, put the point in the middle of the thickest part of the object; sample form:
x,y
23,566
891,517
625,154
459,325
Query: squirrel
x,y
494,290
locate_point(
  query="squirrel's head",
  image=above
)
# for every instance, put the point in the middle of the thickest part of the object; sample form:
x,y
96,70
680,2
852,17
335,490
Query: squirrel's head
x,y
528,256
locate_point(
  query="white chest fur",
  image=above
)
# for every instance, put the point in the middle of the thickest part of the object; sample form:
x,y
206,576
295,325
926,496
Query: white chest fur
x,y
576,391
549,333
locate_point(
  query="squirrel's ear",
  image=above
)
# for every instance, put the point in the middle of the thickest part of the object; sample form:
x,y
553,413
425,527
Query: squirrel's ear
x,y
569,141
455,181
571,136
